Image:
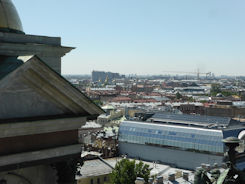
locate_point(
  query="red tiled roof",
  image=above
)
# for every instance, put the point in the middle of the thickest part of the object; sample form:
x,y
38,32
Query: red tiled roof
x,y
121,99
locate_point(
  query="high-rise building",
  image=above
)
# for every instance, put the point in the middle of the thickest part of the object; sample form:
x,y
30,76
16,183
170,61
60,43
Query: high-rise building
x,y
100,76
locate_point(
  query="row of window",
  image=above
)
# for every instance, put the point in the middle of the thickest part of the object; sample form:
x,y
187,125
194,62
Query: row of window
x,y
216,147
168,130
175,136
197,139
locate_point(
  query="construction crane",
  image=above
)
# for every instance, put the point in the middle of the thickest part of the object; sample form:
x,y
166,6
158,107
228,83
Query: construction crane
x,y
197,73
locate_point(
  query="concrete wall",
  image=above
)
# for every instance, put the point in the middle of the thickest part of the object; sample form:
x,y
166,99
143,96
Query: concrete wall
x,y
225,112
19,144
53,62
182,159
38,174
49,49
87,180
20,38
19,103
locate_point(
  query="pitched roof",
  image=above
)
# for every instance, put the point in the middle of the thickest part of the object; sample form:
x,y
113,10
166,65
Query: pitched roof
x,y
94,168
36,90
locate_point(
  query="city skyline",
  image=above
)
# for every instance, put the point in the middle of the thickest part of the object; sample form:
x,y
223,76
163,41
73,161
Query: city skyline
x,y
142,37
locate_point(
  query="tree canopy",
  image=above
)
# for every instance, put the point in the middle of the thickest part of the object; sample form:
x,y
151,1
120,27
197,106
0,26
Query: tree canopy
x,y
215,89
126,171
178,95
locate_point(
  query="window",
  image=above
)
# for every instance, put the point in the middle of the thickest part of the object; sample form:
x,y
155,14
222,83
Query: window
x,y
203,140
91,181
98,181
105,178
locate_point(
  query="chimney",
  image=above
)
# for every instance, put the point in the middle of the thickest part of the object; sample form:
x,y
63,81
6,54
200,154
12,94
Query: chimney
x,y
160,180
186,176
171,177
139,180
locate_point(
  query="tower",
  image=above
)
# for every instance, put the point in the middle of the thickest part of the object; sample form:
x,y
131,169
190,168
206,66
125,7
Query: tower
x,y
40,111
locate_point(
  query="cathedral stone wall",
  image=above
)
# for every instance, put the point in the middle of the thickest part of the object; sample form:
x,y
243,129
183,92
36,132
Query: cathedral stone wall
x,y
48,49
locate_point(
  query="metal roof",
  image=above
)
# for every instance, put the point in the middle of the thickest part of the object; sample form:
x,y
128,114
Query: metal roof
x,y
94,168
172,128
198,120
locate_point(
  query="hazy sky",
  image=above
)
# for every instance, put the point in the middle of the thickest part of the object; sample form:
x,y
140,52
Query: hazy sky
x,y
142,36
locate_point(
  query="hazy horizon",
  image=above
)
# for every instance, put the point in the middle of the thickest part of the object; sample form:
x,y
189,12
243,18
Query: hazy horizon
x,y
142,37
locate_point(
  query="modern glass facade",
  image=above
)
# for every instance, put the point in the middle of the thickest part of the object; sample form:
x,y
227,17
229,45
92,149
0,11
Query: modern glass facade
x,y
182,137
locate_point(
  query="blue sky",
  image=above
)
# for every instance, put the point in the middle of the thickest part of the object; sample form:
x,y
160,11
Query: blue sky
x,y
142,36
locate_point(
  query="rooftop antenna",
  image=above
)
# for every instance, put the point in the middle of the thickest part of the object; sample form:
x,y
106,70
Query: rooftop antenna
x,y
198,74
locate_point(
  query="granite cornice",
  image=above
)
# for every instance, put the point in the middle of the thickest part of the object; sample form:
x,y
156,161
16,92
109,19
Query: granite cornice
x,y
15,49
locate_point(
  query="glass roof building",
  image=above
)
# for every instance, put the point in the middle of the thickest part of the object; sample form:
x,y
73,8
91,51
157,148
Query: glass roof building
x,y
172,136
189,133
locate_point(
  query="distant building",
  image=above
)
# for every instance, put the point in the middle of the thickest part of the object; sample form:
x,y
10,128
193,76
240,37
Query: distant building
x,y
121,99
185,141
188,107
192,90
87,133
101,76
225,109
142,88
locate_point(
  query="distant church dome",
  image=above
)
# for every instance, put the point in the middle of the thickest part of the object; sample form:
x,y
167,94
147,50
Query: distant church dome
x,y
9,18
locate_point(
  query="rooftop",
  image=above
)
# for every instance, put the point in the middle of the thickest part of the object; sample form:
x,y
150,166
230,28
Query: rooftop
x,y
98,167
194,120
94,168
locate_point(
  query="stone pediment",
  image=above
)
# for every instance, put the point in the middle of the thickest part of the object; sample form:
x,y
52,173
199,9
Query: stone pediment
x,y
35,90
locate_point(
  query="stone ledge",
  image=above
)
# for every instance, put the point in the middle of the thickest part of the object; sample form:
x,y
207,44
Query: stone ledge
x,y
25,38
40,155
18,49
41,126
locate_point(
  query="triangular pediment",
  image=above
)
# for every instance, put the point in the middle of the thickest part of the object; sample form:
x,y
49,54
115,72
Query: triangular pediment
x,y
35,90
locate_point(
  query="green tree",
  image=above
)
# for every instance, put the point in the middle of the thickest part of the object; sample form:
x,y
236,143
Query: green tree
x,y
228,93
215,89
178,95
143,170
98,102
126,172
